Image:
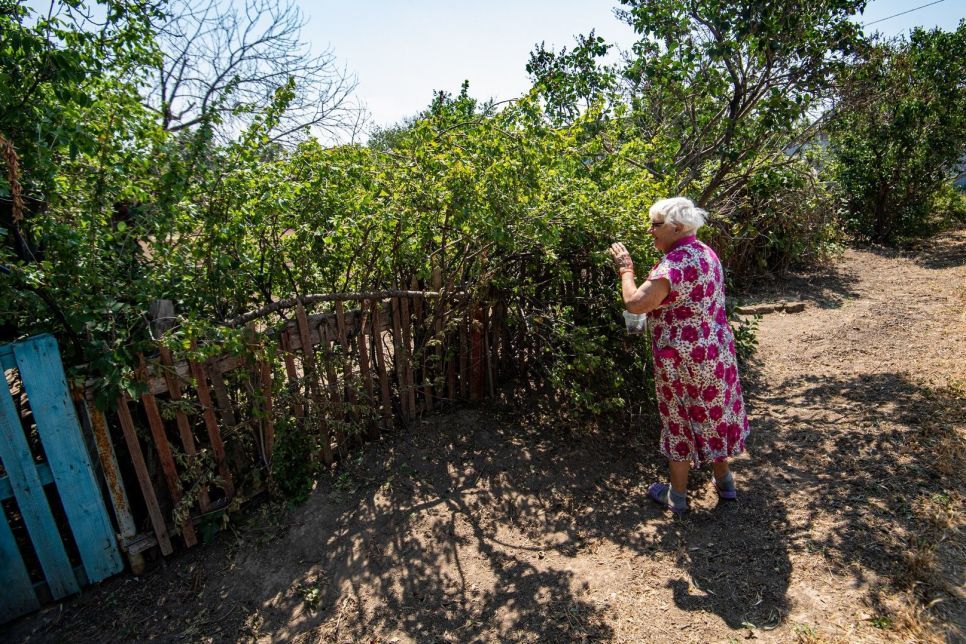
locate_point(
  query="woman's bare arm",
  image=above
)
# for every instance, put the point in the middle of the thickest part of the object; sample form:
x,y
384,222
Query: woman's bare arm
x,y
646,297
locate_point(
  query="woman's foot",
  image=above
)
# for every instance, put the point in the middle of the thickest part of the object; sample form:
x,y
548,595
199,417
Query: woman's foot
x,y
725,487
663,495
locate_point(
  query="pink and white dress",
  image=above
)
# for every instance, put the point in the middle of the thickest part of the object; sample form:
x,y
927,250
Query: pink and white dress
x,y
703,418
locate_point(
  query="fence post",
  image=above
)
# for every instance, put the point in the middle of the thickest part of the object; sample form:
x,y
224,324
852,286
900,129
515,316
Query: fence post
x,y
477,322
161,315
115,485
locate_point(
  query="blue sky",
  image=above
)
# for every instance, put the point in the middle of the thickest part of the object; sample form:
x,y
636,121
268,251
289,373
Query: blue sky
x,y
401,51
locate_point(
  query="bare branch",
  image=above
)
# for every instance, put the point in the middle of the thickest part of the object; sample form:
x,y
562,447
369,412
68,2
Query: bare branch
x,y
223,63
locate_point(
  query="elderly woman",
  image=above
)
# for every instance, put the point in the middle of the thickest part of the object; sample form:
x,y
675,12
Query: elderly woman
x,y
703,416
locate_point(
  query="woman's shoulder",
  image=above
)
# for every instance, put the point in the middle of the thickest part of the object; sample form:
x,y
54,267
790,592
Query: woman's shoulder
x,y
709,254
687,253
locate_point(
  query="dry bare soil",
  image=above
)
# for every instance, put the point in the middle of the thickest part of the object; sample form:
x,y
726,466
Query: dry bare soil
x,y
496,524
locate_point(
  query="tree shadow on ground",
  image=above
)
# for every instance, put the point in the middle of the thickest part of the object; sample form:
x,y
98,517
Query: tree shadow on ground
x,y
946,250
825,286
475,528
878,460
937,252
469,527
732,561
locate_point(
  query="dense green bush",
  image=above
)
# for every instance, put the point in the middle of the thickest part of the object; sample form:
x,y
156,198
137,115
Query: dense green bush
x,y
900,130
709,102
950,206
294,469
782,217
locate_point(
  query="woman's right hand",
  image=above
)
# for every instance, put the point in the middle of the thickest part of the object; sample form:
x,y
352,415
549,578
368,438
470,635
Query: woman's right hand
x,y
621,258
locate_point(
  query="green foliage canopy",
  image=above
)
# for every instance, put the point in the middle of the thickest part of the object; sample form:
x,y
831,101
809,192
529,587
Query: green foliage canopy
x,y
710,100
901,129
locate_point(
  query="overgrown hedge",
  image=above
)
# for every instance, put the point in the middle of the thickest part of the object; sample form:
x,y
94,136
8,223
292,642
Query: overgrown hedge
x,y
518,199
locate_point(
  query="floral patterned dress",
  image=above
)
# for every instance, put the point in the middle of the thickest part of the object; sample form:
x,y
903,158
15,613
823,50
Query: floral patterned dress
x,y
703,417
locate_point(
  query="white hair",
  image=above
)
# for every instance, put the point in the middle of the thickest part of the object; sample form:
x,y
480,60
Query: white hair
x,y
680,211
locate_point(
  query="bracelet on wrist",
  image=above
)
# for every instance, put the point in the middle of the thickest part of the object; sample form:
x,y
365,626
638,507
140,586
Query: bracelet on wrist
x,y
624,270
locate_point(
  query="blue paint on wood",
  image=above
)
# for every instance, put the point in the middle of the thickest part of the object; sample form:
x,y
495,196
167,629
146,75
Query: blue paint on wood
x,y
18,593
19,464
6,358
43,376
43,471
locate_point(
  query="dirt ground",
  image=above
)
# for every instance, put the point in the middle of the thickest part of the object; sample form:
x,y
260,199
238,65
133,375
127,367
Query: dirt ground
x,y
489,524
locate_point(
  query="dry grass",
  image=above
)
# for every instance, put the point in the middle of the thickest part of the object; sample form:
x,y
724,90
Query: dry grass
x,y
915,623
936,549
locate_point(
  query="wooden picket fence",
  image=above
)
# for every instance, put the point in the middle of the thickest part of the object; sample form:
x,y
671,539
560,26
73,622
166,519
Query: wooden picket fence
x,y
199,440
55,531
343,375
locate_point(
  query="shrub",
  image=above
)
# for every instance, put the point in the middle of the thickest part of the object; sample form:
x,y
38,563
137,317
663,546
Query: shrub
x,y
901,128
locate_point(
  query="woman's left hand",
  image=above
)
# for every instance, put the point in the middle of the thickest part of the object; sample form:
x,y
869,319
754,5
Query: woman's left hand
x,y
621,258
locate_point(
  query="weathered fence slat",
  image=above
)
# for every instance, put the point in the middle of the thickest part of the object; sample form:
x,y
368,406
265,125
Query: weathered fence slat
x,y
398,356
331,378
18,591
451,363
144,478
311,377
494,337
438,335
407,335
364,366
420,347
225,409
43,377
501,337
305,343
377,344
464,368
19,464
291,372
184,429
343,338
486,357
268,425
335,396
211,425
115,485
477,355
166,457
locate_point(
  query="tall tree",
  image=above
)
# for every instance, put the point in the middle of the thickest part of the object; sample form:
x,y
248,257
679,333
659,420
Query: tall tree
x,y
223,61
713,89
69,111
901,128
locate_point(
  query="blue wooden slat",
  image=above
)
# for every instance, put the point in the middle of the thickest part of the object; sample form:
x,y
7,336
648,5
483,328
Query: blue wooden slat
x,y
43,471
19,464
43,376
6,358
18,595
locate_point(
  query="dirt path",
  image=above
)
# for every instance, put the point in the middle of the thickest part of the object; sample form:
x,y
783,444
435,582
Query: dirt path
x,y
485,526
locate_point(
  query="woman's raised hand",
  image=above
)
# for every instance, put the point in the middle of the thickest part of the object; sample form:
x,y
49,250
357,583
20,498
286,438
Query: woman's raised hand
x,y
621,258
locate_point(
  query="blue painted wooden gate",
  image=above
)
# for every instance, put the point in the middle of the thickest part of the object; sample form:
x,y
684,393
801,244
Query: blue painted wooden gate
x,y
66,466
